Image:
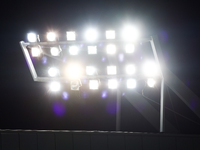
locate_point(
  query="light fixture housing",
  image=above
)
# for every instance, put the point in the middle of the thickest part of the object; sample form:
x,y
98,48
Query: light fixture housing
x,y
54,86
131,83
93,84
32,37
110,34
73,50
112,84
111,70
55,51
90,70
35,51
130,48
111,49
151,82
75,85
92,49
71,36
130,69
51,36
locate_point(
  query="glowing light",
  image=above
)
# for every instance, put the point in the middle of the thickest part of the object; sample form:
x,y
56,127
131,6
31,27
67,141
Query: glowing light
x,y
150,69
35,51
110,34
71,36
51,36
73,50
104,94
32,37
53,72
131,83
130,33
90,70
129,48
151,82
130,69
91,35
111,49
111,70
74,71
93,84
92,50
54,86
55,51
112,84
65,95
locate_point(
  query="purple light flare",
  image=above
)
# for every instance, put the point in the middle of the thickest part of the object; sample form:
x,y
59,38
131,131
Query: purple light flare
x,y
65,95
104,94
59,109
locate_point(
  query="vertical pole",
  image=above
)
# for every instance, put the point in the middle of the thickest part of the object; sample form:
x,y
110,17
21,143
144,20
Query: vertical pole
x,y
162,106
118,110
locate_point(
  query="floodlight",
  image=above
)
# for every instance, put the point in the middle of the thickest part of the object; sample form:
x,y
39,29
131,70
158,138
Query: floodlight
x,y
111,70
90,70
130,69
35,51
150,69
110,34
32,37
51,36
93,84
54,86
111,49
129,48
74,71
55,51
151,82
73,50
71,36
131,83
53,72
112,84
130,33
91,35
92,50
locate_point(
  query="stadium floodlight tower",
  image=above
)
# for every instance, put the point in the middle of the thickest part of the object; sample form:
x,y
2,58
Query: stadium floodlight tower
x,y
110,60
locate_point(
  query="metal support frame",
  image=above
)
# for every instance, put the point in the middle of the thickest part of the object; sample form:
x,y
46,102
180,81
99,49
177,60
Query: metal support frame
x,y
118,109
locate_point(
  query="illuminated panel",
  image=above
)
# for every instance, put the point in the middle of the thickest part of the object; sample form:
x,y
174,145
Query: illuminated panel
x,y
32,37
53,72
111,49
150,69
92,50
151,82
54,86
130,69
111,70
55,51
131,83
91,35
71,36
129,48
93,84
73,50
51,36
74,71
35,51
90,70
112,84
110,34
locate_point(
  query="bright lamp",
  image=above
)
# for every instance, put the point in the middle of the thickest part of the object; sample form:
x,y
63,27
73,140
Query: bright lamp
x,y
110,34
71,36
111,70
150,69
92,50
131,83
74,71
129,48
73,50
130,69
91,35
111,49
151,82
54,86
93,84
32,37
51,36
112,84
55,51
130,33
90,70
35,51
53,72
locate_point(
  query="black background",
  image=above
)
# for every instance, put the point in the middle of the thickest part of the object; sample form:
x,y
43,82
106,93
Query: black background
x,y
25,104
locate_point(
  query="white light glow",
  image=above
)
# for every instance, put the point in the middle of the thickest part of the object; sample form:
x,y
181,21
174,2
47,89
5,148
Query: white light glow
x,y
73,50
53,72
92,50
32,37
51,36
150,69
91,35
90,70
112,84
151,82
110,34
35,51
129,48
54,86
55,51
130,33
131,83
74,71
130,69
71,36
111,70
111,49
93,84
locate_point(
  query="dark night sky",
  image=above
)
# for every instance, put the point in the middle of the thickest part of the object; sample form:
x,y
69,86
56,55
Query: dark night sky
x,y
25,104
